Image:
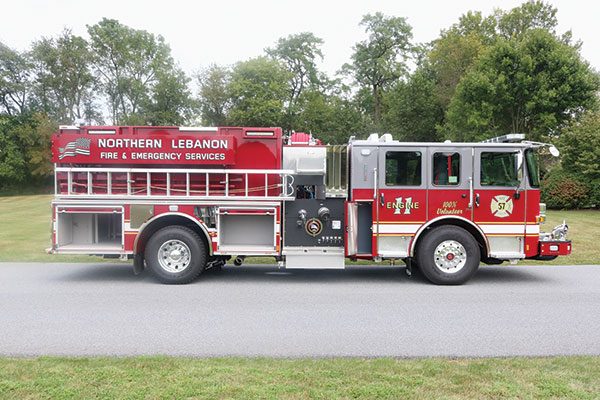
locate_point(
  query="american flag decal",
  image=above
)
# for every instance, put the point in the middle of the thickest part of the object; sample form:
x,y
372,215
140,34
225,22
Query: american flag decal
x,y
78,146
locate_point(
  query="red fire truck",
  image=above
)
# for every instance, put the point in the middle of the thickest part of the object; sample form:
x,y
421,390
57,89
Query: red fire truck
x,y
179,200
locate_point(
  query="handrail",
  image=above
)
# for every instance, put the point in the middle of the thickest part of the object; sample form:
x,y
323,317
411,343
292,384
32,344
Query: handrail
x,y
177,170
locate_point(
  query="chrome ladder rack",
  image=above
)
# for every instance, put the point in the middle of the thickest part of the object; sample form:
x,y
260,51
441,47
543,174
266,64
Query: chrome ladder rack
x,y
243,191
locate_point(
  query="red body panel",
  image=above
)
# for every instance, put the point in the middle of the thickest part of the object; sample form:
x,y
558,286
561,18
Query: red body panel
x,y
532,234
448,202
520,219
398,206
147,146
499,206
228,148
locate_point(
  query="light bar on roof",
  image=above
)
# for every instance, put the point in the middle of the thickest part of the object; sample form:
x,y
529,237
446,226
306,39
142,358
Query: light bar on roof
x,y
198,129
102,132
510,138
255,133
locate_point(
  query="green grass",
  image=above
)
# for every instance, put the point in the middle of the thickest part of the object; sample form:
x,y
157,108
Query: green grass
x,y
25,232
25,229
351,378
584,231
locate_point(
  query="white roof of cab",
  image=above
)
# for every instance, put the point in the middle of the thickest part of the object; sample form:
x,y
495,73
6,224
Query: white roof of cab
x,y
386,140
394,143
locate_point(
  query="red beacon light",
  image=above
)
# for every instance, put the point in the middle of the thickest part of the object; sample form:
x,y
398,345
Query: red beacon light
x,y
303,139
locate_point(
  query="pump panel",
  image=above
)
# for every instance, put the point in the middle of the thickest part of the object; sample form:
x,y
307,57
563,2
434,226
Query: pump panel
x,y
311,222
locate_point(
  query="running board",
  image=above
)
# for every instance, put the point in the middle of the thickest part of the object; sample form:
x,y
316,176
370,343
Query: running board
x,y
506,255
314,257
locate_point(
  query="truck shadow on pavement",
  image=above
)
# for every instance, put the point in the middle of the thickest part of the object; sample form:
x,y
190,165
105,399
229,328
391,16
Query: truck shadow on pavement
x,y
264,273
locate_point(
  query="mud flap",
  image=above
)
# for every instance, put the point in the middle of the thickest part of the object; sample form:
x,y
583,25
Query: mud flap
x,y
138,264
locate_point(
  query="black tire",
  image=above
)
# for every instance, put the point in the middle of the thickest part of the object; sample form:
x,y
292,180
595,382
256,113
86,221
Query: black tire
x,y
427,258
176,235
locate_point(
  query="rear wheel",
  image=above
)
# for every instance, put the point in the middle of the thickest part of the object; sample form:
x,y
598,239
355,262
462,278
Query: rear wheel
x,y
175,255
448,255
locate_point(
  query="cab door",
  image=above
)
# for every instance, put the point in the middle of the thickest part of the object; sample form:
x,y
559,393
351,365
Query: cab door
x,y
451,171
401,204
499,199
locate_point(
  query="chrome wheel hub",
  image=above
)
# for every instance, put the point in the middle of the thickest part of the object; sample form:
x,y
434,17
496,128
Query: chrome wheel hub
x,y
450,256
174,256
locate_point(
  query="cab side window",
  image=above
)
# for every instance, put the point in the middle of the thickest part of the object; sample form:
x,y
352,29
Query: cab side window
x,y
403,168
500,169
446,169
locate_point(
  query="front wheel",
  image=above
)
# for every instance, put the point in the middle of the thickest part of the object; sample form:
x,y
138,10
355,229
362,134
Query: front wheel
x,y
175,255
448,255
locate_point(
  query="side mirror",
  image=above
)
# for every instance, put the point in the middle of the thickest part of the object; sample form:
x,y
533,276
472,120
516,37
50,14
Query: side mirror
x,y
517,194
554,151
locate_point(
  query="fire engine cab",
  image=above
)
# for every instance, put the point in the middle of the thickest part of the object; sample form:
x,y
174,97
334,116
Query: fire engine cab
x,y
179,200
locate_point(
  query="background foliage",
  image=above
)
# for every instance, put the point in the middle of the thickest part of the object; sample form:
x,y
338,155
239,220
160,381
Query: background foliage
x,y
486,75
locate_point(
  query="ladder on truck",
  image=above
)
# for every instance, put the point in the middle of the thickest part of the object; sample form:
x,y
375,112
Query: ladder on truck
x,y
162,183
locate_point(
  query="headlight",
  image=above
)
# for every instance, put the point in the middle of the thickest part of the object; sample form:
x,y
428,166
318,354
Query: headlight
x,y
540,219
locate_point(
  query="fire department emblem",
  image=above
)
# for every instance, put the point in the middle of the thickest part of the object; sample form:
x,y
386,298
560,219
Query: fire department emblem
x,y
501,206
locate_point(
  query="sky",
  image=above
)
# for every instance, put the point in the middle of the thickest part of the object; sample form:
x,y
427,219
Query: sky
x,y
227,31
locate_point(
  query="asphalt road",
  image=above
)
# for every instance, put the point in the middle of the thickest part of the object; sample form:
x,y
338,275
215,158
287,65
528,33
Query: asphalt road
x,y
103,309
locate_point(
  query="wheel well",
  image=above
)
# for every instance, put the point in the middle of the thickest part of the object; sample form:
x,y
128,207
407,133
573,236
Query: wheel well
x,y
168,220
468,226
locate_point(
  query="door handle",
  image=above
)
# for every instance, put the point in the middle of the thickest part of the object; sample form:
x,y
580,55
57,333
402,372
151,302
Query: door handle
x,y
477,200
470,193
381,199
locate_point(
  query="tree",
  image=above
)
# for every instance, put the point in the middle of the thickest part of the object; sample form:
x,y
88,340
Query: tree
x,y
64,81
512,24
38,142
381,59
299,53
13,164
214,98
580,146
580,152
331,117
15,81
530,15
534,86
129,63
457,49
473,23
449,60
413,110
25,148
257,90
171,101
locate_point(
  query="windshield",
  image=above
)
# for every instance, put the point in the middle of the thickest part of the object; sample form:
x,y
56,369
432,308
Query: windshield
x,y
533,168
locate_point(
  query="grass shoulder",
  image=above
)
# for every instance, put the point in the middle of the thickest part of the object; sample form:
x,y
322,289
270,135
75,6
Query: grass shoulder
x,y
338,378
